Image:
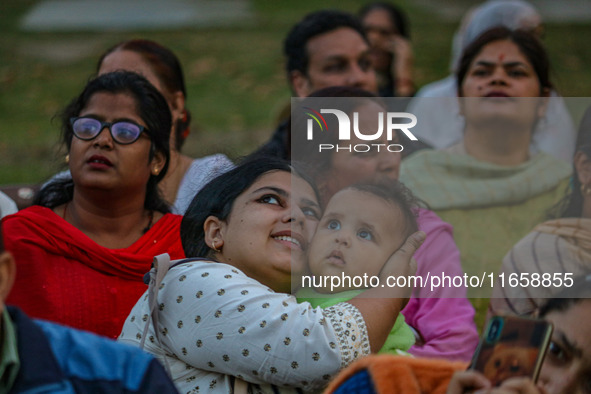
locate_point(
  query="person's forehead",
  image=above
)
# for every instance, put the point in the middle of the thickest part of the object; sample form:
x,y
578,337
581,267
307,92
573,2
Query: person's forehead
x,y
363,204
341,42
293,185
362,208
378,17
506,48
274,178
116,102
344,198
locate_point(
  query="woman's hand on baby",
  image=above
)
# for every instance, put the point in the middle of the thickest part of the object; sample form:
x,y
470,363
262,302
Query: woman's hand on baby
x,y
402,263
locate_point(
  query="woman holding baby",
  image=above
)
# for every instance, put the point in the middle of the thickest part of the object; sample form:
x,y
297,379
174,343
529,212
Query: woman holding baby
x,y
225,318
240,322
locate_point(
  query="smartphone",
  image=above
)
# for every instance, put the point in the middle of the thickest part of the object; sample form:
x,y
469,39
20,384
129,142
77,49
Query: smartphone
x,y
512,347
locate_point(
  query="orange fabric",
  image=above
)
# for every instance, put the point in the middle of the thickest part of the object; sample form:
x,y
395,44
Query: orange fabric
x,y
402,375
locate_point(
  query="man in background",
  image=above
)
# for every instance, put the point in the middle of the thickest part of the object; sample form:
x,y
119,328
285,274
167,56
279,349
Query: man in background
x,y
326,48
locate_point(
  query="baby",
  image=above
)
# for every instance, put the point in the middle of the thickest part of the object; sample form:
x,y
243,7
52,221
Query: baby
x,y
362,226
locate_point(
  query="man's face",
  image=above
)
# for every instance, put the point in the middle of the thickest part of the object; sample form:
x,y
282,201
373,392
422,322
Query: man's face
x,y
339,57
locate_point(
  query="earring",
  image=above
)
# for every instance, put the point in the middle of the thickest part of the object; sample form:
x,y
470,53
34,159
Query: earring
x,y
214,247
585,189
155,171
67,159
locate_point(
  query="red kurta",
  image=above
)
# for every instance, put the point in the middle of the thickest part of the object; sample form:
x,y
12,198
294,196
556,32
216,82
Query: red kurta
x,y
64,276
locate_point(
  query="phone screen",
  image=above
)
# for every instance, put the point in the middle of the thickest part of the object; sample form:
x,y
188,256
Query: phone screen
x,y
512,347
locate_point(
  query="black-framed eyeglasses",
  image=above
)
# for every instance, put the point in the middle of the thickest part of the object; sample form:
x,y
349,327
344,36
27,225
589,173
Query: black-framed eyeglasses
x,y
124,132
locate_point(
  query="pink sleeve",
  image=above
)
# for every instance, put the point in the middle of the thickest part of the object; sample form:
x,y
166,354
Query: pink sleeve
x,y
444,318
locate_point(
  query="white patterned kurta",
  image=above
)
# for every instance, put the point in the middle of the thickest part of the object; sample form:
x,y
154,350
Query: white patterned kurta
x,y
215,322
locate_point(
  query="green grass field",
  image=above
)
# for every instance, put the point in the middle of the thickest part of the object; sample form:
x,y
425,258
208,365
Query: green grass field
x,y
236,83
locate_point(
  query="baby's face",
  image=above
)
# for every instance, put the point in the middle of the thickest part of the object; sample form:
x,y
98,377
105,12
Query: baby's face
x,y
356,235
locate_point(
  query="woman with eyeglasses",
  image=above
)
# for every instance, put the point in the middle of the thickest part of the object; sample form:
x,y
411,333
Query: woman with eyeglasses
x,y
160,66
83,249
185,175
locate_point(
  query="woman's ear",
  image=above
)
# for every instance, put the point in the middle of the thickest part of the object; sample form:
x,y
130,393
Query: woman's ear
x,y
582,164
157,163
213,230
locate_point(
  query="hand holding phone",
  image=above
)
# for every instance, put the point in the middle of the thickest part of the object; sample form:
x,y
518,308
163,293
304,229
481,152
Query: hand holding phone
x,y
471,381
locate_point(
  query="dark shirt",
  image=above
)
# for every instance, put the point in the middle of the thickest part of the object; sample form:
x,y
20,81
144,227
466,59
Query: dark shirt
x,y
59,359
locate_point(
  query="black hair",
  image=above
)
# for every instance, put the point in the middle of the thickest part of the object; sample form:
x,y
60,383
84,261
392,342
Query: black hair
x,y
312,25
571,205
167,68
152,108
398,18
528,45
569,296
218,196
396,194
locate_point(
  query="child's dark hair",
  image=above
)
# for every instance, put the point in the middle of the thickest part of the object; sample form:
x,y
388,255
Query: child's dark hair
x,y
397,194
